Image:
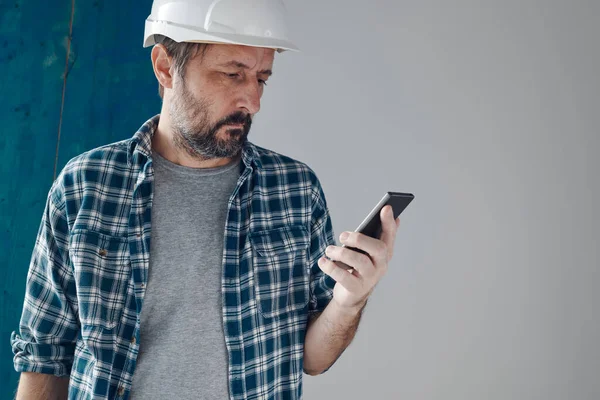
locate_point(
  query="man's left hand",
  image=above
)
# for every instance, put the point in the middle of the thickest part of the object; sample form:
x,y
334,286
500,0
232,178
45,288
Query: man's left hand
x,y
356,284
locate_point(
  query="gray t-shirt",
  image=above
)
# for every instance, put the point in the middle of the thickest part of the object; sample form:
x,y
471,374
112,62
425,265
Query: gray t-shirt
x,y
182,352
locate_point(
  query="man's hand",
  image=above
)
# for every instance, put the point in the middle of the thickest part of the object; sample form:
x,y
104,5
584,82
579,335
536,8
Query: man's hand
x,y
328,335
355,285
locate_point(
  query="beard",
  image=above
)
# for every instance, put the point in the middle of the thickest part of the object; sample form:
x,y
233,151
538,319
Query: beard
x,y
194,133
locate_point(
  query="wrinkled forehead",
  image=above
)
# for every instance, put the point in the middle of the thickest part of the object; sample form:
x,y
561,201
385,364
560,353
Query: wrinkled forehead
x,y
254,57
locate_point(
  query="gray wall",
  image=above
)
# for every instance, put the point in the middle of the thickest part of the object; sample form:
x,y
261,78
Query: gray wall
x,y
488,112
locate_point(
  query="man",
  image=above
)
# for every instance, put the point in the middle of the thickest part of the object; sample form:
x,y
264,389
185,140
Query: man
x,y
218,241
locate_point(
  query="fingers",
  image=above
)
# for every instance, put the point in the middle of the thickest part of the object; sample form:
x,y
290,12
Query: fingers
x,y
389,229
348,258
376,248
379,251
348,280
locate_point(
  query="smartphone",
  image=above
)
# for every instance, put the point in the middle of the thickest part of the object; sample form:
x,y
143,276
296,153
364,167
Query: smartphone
x,y
371,225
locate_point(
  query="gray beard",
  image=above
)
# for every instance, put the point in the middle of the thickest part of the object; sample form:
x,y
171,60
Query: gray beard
x,y
193,133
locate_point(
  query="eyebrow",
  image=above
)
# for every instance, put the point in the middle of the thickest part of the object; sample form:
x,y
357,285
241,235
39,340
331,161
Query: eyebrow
x,y
239,64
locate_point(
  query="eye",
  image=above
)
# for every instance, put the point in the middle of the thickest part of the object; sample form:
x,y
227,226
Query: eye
x,y
236,75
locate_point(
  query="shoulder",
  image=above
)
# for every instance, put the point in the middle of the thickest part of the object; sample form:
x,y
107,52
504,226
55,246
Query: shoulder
x,y
108,155
95,166
274,162
282,168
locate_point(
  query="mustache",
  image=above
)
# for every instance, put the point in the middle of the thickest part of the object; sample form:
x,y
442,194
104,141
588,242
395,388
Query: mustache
x,y
235,118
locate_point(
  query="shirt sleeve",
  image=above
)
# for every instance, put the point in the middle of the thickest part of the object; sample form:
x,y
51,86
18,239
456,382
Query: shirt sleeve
x,y
321,236
49,325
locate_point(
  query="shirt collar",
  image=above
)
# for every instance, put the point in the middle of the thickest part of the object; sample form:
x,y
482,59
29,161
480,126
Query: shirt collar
x,y
141,142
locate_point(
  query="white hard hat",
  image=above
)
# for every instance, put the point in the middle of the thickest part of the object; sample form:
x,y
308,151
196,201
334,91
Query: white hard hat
x,y
257,23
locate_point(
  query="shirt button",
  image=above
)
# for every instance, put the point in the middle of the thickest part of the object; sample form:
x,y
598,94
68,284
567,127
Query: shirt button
x,y
121,391
133,340
103,252
138,234
143,285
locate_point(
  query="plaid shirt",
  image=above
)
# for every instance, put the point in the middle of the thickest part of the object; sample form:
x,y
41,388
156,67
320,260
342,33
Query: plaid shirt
x,y
89,269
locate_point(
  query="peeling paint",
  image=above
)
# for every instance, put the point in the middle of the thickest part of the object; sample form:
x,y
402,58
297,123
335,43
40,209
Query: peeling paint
x,y
49,60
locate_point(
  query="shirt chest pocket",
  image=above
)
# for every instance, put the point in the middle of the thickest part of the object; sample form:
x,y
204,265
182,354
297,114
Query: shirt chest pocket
x,y
281,278
101,269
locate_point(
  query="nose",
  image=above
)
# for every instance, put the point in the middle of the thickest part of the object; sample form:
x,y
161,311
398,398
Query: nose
x,y
250,98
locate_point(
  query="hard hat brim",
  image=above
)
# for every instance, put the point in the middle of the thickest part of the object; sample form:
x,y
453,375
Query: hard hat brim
x,y
181,33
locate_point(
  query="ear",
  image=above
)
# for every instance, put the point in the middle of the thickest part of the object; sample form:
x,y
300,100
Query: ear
x,y
161,63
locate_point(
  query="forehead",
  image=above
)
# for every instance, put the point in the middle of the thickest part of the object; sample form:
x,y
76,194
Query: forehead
x,y
254,57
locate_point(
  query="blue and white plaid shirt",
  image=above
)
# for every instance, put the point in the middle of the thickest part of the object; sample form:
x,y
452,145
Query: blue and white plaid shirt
x,y
89,269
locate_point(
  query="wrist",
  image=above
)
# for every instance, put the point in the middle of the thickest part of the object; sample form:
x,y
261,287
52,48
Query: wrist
x,y
349,310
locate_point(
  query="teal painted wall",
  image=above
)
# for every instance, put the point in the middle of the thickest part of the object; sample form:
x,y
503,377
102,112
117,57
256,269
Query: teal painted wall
x,y
54,107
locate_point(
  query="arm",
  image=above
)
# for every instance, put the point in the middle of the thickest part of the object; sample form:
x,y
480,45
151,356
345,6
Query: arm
x,y
337,296
44,346
330,329
328,335
34,386
331,332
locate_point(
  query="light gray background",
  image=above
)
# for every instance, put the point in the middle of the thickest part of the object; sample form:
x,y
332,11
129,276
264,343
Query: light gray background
x,y
488,112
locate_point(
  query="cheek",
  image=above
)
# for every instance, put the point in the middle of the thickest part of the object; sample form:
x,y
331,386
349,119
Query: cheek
x,y
223,103
217,94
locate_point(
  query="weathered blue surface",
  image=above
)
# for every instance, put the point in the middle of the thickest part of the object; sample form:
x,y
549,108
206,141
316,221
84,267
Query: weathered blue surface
x,y
110,91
